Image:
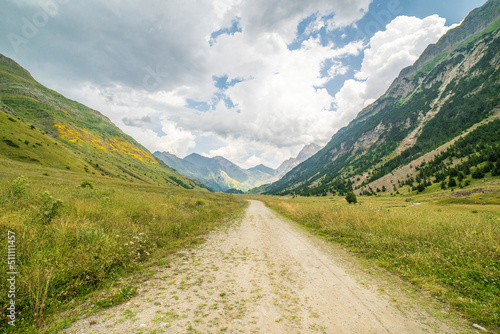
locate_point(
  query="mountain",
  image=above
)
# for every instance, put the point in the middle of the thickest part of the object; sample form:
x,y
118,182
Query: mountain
x,y
40,126
441,101
221,174
218,173
307,152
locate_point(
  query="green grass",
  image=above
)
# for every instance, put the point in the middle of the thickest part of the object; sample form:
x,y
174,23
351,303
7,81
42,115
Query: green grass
x,y
25,142
449,246
42,127
73,239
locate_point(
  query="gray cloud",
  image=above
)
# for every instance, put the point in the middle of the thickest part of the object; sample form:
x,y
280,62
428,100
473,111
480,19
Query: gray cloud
x,y
117,42
137,122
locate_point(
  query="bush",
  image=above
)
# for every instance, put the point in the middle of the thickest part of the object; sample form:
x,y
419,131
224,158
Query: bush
x,y
19,187
86,184
48,207
200,202
10,143
351,198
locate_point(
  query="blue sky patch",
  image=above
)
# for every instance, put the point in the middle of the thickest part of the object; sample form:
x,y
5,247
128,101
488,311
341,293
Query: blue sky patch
x,y
222,82
234,28
198,105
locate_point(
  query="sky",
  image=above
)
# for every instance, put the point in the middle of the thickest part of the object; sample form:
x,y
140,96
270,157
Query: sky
x,y
253,81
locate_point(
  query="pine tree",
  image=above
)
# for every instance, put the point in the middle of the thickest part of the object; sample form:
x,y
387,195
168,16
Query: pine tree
x,y
351,198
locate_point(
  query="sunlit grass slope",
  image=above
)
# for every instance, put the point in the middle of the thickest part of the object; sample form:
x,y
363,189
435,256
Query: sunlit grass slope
x,y
41,126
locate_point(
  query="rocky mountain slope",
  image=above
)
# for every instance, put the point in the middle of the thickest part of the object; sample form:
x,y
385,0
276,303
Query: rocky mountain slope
x,y
40,126
454,85
221,174
307,152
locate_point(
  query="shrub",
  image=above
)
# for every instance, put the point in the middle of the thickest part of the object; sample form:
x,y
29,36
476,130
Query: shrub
x,y
19,187
49,207
10,143
351,198
200,202
87,184
452,183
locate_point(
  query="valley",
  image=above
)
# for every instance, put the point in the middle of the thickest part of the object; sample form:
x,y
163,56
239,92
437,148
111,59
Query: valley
x,y
221,174
393,226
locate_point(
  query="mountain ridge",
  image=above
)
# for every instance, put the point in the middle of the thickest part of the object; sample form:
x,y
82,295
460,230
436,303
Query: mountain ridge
x,y
220,174
427,105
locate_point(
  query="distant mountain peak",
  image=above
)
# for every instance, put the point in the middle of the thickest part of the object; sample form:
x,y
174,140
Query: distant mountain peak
x,y
220,174
307,151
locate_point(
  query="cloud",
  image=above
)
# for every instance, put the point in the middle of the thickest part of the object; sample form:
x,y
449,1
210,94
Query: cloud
x,y
137,122
175,139
389,51
283,104
166,70
248,154
282,17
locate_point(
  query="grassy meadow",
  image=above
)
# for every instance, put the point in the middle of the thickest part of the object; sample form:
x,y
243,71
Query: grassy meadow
x,y
76,233
447,245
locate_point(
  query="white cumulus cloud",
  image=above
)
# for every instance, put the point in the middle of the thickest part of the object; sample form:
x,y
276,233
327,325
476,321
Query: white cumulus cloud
x,y
389,51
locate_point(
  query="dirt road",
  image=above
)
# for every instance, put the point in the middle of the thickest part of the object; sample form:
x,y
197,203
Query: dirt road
x,y
261,275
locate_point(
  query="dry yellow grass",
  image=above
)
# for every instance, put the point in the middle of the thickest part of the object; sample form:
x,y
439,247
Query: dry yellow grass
x,y
450,250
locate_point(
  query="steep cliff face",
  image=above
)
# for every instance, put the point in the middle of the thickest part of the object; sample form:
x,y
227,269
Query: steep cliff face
x,y
451,87
307,152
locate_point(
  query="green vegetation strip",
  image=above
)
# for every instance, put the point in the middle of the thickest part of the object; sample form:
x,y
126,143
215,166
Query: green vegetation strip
x,y
450,250
75,233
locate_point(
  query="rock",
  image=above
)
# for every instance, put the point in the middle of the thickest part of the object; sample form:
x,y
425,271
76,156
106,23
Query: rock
x,y
408,199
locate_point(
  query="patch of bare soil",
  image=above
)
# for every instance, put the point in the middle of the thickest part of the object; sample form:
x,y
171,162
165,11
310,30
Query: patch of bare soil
x,y
261,275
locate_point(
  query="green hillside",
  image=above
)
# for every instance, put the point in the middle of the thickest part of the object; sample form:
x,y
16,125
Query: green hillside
x,y
42,127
